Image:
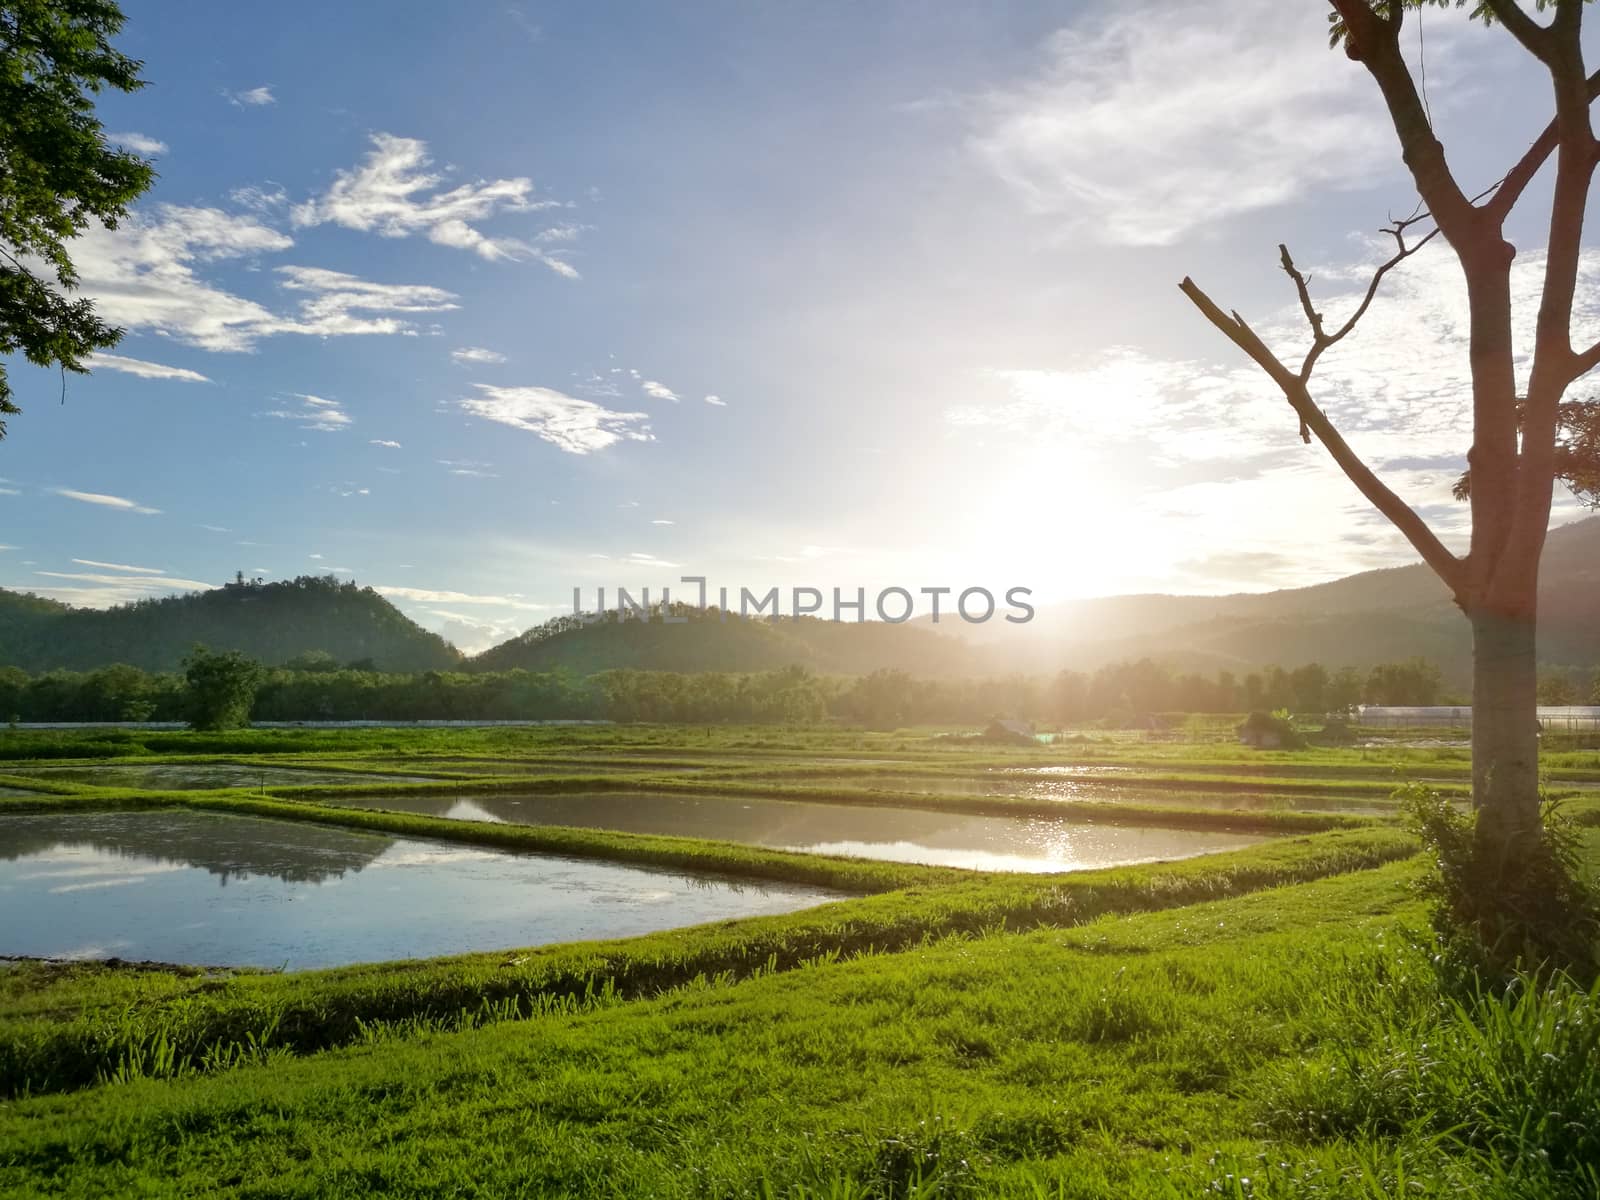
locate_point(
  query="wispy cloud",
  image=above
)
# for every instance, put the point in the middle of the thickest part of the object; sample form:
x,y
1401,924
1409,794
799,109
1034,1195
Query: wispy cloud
x,y
105,501
145,275
717,400
477,355
658,391
143,369
394,195
139,143
432,596
1122,140
660,521
262,198
468,469
108,566
315,412
638,558
385,443
148,582
254,97
574,425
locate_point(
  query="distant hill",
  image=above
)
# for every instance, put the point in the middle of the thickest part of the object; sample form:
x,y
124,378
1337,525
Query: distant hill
x,y
705,642
272,622
1376,616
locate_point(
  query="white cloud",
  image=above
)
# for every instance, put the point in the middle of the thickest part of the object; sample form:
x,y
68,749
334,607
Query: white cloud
x,y
574,425
143,276
105,501
394,195
385,443
143,369
146,582
1150,120
335,297
659,521
139,143
13,548
254,97
477,354
262,198
658,391
107,566
467,468
316,413
432,596
717,400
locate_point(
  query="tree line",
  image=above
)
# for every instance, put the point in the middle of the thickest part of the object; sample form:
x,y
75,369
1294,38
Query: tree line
x,y
315,688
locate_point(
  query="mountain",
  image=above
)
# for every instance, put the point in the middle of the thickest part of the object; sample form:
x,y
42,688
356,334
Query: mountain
x,y
1376,616
705,642
272,622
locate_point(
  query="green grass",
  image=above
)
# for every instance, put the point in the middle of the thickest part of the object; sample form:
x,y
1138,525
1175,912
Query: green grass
x,y
1263,1023
1175,1053
66,1026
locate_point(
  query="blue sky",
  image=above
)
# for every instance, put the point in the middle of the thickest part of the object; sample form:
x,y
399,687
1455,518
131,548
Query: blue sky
x,y
478,303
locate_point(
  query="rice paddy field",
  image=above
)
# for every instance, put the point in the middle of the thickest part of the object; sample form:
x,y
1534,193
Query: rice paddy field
x,y
670,961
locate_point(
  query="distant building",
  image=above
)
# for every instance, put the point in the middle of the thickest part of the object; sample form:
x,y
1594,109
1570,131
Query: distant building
x,y
1553,718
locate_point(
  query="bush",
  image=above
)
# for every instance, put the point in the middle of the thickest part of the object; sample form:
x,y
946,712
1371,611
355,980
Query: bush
x,y
220,688
1270,731
1498,910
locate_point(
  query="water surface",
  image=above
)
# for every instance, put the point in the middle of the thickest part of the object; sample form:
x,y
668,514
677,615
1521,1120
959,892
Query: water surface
x,y
216,889
985,843
1029,786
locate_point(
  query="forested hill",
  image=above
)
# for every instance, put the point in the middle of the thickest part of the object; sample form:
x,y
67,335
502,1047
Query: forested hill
x,y
272,622
706,642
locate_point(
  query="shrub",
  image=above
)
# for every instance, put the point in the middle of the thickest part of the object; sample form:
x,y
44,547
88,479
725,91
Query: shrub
x,y
1498,909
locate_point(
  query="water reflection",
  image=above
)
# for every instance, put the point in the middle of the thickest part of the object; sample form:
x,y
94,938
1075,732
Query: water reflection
x,y
991,843
226,847
217,889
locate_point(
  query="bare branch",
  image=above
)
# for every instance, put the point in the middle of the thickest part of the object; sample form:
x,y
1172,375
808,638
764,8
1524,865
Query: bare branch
x,y
1312,420
1510,189
1322,340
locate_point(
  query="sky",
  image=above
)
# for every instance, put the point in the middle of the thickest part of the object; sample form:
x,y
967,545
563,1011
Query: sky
x,y
480,303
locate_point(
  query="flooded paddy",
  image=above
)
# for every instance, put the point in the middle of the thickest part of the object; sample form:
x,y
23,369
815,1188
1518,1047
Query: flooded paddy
x,y
1039,785
985,843
179,777
216,889
500,766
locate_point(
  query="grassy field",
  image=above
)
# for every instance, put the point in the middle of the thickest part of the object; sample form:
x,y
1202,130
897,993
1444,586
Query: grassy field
x,y
1259,1023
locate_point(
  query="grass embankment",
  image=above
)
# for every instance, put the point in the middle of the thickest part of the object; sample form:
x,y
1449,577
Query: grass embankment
x,y
65,1026
1288,1042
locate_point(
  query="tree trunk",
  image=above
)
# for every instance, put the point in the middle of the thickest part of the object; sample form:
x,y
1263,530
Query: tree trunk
x,y
1505,730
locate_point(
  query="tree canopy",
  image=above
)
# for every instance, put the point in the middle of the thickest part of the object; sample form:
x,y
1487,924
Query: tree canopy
x,y
58,174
